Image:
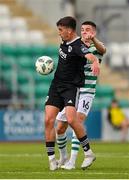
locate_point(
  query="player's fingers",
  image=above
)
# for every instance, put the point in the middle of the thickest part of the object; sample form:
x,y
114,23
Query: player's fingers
x,y
95,70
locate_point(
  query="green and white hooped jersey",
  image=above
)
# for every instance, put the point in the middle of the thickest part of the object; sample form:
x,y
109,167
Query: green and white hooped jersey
x,y
90,80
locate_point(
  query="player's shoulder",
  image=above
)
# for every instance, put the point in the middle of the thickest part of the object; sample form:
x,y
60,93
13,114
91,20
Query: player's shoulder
x,y
74,45
79,44
93,49
75,42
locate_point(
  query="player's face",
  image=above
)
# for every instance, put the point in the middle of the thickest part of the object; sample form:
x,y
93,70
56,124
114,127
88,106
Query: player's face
x,y
64,33
114,104
86,31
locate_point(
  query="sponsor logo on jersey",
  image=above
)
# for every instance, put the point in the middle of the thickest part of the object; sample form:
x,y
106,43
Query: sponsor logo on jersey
x,y
84,49
62,54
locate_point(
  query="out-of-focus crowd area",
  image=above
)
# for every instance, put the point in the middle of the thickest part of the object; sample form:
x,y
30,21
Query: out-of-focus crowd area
x,y
26,34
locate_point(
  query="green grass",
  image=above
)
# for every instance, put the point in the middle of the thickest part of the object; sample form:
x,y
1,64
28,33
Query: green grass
x,y
29,161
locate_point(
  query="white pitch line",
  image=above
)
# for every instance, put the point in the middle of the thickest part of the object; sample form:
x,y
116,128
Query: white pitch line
x,y
21,155
103,155
66,172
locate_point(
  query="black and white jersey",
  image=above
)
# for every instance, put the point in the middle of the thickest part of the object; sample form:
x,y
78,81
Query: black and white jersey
x,y
71,62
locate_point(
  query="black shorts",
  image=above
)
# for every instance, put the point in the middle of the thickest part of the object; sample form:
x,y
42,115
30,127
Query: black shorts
x,y
62,94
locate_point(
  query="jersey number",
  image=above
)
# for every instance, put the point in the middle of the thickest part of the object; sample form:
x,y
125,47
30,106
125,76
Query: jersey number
x,y
86,104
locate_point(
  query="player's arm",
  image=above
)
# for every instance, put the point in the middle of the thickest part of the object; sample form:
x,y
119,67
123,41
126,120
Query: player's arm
x,y
99,45
95,63
83,51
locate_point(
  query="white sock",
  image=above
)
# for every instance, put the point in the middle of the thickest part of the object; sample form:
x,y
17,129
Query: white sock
x,y
75,149
61,141
51,157
89,152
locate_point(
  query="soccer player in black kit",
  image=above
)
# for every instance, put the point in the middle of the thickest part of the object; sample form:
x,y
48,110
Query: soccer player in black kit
x,y
64,89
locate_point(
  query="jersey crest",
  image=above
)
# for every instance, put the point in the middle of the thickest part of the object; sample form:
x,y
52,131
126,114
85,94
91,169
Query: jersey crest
x,y
69,48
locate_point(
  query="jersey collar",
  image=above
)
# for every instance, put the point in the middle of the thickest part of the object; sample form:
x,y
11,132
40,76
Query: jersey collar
x,y
67,43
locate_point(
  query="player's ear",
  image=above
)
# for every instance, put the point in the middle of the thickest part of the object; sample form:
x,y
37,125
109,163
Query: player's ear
x,y
94,33
69,30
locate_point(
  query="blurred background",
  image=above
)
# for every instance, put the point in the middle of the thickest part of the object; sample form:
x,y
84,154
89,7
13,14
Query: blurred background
x,y
27,31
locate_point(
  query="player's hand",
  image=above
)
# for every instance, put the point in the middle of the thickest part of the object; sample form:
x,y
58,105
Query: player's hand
x,y
95,68
89,36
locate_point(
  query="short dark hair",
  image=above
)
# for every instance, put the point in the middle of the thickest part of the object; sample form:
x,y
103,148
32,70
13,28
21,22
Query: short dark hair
x,y
91,23
67,21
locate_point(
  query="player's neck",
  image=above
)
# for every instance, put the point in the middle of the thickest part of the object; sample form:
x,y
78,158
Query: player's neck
x,y
86,42
73,37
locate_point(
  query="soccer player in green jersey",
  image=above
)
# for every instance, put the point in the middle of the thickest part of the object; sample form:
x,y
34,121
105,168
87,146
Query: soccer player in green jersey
x,y
87,94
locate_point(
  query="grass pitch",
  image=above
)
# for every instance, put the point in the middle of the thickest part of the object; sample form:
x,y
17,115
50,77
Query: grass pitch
x,y
29,161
